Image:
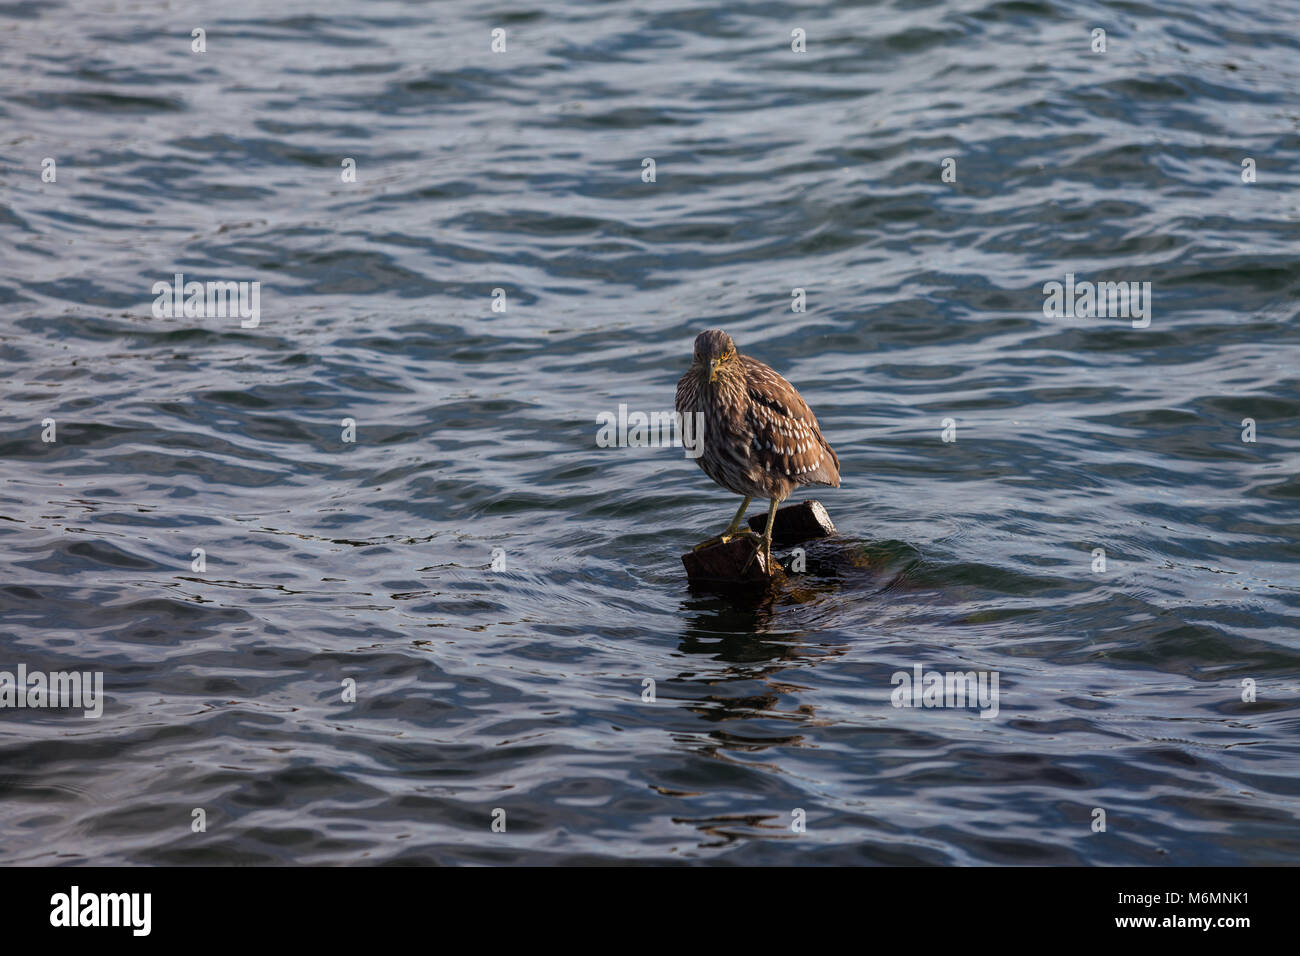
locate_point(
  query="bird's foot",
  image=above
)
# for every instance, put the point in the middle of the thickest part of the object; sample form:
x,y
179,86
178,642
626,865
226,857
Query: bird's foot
x,y
725,537
766,549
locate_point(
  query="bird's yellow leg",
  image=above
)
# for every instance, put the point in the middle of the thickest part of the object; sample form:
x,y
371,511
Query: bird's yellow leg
x,y
767,534
732,529
766,545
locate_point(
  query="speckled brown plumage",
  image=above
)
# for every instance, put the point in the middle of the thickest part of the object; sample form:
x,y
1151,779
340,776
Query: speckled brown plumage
x,y
760,437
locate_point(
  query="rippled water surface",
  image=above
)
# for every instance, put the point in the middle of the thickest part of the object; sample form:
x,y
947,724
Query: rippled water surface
x,y
521,689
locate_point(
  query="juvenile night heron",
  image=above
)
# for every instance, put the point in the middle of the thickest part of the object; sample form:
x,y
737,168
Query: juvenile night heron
x,y
760,437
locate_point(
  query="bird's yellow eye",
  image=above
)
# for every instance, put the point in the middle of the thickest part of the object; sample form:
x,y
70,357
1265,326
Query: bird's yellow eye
x,y
731,354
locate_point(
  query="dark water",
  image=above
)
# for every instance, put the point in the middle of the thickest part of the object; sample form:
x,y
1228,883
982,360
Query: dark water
x,y
520,689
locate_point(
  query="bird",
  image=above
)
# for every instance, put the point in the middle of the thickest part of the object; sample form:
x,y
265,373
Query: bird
x,y
760,437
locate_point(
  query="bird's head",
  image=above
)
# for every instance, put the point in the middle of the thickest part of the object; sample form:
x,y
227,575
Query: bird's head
x,y
715,353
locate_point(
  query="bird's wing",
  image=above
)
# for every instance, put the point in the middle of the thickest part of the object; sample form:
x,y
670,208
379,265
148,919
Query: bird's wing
x,y
787,438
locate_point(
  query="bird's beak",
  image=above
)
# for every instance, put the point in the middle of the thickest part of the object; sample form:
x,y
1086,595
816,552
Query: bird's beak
x,y
713,369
